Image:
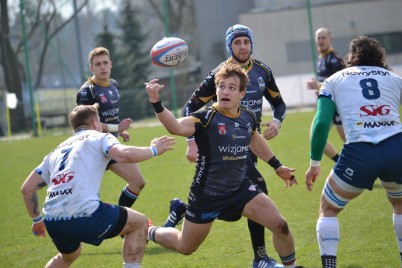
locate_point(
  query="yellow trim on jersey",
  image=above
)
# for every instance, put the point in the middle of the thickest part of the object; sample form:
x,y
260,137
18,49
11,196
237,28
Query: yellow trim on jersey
x,y
273,94
205,99
100,83
230,115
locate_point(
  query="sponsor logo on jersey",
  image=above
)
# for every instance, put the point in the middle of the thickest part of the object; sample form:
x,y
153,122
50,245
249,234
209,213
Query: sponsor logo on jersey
x,y
63,178
366,73
376,124
251,103
231,157
222,128
233,149
234,136
200,168
60,192
374,110
110,112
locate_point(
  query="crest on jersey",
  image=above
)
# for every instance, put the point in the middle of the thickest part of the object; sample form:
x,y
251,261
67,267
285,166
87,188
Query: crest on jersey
x,y
103,98
222,128
261,83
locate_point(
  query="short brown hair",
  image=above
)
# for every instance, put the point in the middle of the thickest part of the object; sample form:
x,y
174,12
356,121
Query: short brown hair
x,y
229,70
96,52
83,114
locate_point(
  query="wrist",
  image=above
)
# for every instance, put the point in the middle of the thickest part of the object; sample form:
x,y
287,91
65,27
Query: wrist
x,y
277,121
274,162
37,219
158,107
315,163
112,127
154,151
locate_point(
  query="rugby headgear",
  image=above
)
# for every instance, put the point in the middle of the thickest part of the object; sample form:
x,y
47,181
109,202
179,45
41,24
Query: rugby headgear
x,y
236,31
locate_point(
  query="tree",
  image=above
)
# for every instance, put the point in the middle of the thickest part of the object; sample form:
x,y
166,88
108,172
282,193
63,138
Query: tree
x,y
178,11
133,60
40,17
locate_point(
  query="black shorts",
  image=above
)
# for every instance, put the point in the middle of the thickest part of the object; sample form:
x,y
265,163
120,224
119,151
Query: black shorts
x,y
253,174
207,208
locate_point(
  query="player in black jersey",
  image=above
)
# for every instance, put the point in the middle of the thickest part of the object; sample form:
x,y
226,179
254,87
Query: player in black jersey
x,y
224,134
328,63
101,89
239,44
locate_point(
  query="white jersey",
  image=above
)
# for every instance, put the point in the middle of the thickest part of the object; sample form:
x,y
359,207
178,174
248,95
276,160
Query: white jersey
x,y
73,172
367,99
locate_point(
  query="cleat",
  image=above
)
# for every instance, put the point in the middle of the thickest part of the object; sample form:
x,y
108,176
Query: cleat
x,y
267,262
177,210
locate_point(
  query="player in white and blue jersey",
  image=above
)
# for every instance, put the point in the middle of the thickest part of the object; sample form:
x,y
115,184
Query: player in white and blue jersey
x,y
73,212
367,97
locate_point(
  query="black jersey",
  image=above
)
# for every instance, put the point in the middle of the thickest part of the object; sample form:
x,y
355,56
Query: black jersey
x,y
262,84
328,64
223,147
107,96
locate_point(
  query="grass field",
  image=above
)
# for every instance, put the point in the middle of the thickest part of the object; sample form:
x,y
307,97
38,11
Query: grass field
x,y
367,236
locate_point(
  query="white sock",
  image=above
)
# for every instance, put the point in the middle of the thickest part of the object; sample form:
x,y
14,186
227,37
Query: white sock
x,y
328,235
131,265
397,220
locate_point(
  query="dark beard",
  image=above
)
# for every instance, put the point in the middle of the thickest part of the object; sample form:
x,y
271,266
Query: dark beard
x,y
239,61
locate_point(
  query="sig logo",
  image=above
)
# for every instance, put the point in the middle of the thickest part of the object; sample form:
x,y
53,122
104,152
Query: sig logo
x,y
374,110
63,178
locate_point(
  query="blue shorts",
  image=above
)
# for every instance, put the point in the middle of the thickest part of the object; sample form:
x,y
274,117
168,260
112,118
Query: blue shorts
x,y
106,222
207,208
361,163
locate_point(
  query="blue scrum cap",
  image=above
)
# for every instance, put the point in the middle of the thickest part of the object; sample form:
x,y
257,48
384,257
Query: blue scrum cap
x,y
236,31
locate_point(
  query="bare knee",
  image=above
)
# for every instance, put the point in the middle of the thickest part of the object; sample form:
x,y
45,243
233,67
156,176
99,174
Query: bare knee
x,y
187,251
283,227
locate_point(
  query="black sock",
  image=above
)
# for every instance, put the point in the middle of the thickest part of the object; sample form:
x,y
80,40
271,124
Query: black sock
x,y
328,261
257,239
127,198
335,157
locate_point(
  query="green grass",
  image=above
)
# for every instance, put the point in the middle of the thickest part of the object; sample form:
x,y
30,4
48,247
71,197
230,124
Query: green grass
x,y
367,236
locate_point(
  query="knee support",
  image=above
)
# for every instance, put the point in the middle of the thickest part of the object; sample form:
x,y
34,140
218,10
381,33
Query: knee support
x,y
333,198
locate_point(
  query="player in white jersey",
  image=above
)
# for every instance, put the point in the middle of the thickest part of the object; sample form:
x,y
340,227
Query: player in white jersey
x,y
366,95
73,212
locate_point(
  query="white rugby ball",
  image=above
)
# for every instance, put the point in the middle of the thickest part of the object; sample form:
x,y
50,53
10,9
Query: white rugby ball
x,y
169,52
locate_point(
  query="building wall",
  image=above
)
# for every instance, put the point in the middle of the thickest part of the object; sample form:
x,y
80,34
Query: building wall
x,y
278,33
213,18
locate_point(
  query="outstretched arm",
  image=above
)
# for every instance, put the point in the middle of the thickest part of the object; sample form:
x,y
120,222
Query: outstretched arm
x,y
184,126
319,135
133,154
261,149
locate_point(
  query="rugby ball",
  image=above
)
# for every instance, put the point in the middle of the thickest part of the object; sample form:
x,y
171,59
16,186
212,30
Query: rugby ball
x,y
169,52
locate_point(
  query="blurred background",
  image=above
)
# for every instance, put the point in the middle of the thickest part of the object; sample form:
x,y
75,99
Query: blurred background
x,y
44,46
